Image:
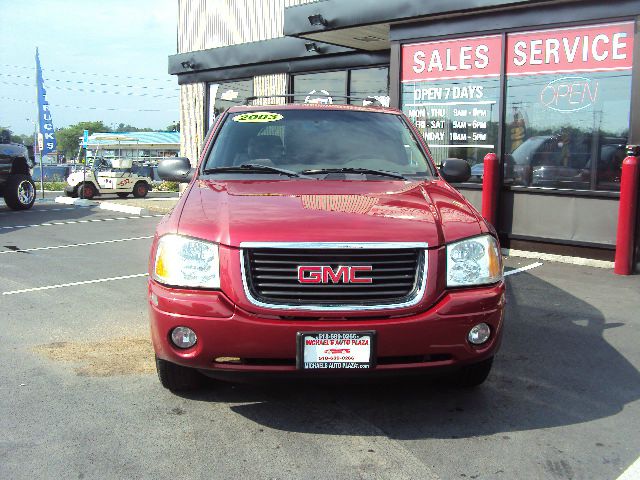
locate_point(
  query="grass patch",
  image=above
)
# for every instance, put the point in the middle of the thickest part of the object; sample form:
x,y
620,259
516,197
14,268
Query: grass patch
x,y
166,186
106,358
50,185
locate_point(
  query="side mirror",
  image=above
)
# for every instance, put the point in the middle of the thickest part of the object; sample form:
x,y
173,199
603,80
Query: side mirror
x,y
455,170
176,169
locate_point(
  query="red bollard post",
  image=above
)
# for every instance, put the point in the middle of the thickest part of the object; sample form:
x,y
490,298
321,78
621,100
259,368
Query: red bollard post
x,y
627,216
490,186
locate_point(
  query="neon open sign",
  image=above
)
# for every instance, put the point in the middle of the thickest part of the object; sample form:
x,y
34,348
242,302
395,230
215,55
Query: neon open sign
x,y
569,94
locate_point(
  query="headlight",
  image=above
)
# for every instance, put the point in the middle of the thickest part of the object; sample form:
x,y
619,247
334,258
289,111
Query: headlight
x,y
475,261
185,262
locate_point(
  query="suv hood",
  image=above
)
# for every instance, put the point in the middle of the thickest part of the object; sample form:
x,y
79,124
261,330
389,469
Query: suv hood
x,y
231,212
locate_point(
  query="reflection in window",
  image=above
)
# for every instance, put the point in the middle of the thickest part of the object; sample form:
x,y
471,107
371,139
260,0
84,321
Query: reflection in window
x,y
320,87
455,107
554,143
330,87
369,82
567,118
227,94
466,129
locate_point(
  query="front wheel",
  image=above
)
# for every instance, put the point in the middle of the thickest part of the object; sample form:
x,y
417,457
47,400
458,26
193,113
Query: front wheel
x,y
178,378
140,190
86,191
19,192
475,374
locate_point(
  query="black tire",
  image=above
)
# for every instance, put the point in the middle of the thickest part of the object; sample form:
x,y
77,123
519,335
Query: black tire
x,y
88,192
474,375
19,192
140,189
178,378
122,194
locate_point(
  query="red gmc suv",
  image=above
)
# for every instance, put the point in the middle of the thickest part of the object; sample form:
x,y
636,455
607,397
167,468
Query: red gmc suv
x,y
320,240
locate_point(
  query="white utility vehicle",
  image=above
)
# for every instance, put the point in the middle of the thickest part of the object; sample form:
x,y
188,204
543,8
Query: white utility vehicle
x,y
105,177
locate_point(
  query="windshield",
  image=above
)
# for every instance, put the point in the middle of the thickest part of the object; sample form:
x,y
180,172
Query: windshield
x,y
312,141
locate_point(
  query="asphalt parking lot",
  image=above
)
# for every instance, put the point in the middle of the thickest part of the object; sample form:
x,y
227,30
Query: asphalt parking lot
x,y
79,397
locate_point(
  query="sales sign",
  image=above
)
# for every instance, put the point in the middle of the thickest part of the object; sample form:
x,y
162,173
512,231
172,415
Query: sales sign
x,y
450,91
449,59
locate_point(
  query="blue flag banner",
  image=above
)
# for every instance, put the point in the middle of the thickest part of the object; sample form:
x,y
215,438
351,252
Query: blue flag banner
x,y
49,143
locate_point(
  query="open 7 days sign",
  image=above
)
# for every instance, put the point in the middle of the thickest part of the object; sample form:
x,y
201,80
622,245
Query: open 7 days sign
x,y
592,48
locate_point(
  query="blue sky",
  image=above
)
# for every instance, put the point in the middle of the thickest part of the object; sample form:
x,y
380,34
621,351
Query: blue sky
x,y
117,46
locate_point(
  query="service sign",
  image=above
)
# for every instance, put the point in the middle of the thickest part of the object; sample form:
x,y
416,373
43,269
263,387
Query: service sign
x,y
596,48
335,350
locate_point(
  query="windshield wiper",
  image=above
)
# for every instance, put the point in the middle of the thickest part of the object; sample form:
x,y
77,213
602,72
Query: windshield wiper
x,y
370,171
252,168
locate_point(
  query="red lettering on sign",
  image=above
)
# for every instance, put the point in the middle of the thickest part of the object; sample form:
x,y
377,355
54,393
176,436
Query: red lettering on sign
x,y
326,274
341,275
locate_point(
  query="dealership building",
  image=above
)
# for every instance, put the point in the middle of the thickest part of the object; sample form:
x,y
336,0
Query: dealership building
x,y
550,86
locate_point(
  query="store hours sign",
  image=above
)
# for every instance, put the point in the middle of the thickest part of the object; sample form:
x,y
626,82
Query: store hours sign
x,y
450,90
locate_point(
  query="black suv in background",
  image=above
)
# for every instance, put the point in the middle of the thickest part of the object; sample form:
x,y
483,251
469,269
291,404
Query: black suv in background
x,y
552,161
16,185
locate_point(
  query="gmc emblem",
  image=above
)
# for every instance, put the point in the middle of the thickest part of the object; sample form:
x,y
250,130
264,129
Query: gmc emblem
x,y
326,274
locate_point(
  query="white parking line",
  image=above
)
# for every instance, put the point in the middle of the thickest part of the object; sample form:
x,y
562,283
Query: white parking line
x,y
631,473
25,250
522,269
37,210
73,284
71,222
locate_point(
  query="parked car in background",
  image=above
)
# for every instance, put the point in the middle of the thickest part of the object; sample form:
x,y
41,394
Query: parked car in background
x,y
108,176
16,185
548,161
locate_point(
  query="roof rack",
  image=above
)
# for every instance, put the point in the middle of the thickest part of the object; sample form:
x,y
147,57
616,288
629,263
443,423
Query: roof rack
x,y
373,101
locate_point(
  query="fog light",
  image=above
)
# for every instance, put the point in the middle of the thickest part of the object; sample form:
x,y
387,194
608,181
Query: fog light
x,y
479,334
183,337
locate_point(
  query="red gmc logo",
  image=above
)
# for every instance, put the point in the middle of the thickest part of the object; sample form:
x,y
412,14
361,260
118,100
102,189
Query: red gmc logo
x,y
326,274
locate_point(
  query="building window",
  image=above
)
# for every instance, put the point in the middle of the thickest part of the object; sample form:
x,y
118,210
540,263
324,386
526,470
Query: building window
x,y
369,82
567,106
451,90
325,87
227,94
332,87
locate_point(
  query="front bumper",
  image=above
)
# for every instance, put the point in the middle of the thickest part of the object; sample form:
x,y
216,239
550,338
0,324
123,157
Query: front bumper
x,y
232,340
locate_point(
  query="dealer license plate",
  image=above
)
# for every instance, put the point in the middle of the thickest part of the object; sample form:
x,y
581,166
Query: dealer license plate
x,y
335,350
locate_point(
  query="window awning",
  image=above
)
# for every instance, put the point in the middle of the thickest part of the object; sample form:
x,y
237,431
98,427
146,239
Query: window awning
x,y
365,24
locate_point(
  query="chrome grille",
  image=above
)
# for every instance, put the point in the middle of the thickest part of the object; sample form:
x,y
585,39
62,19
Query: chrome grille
x,y
270,274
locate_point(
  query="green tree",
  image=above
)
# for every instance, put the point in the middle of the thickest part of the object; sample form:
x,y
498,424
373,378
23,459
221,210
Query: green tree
x,y
124,127
69,137
26,140
15,138
173,127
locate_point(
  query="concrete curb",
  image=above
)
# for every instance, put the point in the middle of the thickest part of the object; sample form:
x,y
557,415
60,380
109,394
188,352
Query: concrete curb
x,y
74,201
118,207
106,205
550,257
